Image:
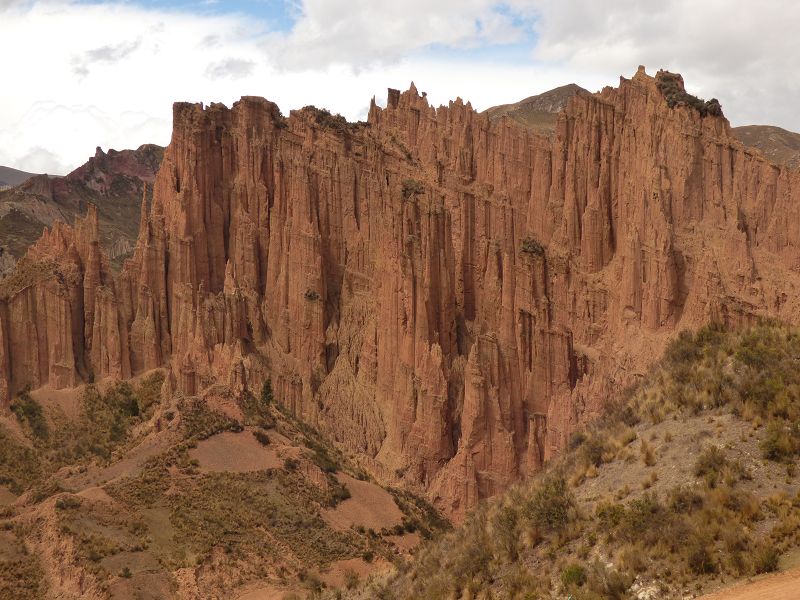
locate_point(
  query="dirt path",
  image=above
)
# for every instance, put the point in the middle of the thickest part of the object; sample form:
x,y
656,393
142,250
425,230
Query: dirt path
x,y
782,586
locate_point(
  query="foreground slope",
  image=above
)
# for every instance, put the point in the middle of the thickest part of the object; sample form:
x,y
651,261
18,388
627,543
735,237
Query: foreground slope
x,y
114,491
446,295
688,483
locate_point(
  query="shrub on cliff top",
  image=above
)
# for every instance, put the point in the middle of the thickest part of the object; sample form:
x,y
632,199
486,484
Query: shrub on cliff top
x,y
671,87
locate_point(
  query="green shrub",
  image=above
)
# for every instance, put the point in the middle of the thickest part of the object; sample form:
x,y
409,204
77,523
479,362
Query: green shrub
x,y
550,505
699,559
644,519
412,187
200,422
67,503
684,500
671,87
29,413
262,437
778,444
574,575
765,559
532,246
266,392
709,465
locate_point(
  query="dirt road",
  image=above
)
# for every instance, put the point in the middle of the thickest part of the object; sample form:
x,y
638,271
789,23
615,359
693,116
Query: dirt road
x,y
782,586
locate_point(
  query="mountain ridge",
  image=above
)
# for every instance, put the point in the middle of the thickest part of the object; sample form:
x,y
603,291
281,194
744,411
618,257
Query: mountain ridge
x,y
10,177
114,181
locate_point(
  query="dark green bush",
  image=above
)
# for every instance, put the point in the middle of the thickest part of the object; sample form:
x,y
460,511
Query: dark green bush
x,y
29,413
412,187
671,87
550,506
699,559
262,437
573,575
532,246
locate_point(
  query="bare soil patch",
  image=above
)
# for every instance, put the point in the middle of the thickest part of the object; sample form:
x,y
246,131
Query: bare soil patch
x,y
234,453
369,506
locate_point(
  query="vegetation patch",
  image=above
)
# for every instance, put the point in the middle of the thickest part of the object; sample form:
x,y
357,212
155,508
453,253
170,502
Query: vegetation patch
x,y
19,466
671,87
576,531
412,188
201,422
532,246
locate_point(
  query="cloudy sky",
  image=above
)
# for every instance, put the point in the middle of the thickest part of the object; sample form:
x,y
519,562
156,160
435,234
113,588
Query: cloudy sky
x,y
78,74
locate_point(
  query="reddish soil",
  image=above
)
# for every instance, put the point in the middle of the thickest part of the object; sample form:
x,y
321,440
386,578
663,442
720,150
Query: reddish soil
x,y
336,575
369,506
234,453
266,592
783,586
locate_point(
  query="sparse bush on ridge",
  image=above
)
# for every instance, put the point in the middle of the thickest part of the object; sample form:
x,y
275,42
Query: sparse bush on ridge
x,y
671,86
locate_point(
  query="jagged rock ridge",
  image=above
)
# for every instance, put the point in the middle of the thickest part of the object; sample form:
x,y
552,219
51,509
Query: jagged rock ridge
x,y
446,295
115,181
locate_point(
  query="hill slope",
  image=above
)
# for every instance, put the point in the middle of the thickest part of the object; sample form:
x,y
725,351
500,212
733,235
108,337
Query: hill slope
x,y
779,145
687,483
539,111
10,177
117,491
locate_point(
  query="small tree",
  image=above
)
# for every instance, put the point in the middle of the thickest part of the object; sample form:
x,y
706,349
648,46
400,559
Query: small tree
x,y
266,392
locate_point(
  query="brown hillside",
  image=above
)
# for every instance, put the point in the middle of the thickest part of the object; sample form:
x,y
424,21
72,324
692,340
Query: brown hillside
x,y
779,145
10,177
538,112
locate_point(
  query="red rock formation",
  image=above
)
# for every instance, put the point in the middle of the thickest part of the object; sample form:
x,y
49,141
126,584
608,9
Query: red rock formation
x,y
114,181
447,295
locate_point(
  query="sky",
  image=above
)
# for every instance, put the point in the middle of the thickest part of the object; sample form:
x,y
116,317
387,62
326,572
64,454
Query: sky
x,y
79,74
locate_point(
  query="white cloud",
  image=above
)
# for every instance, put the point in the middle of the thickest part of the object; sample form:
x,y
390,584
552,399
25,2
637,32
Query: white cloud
x,y
108,73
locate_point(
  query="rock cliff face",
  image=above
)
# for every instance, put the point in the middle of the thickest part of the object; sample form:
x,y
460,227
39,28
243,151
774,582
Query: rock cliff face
x,y
447,296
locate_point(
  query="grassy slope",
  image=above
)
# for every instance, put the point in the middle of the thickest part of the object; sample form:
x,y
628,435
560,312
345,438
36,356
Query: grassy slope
x,y
687,484
115,484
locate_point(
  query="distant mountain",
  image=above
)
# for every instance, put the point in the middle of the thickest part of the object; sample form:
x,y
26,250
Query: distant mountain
x,y
10,177
538,112
114,181
777,144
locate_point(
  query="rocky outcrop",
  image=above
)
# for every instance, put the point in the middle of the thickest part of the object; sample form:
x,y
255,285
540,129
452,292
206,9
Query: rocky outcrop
x,y
115,182
448,296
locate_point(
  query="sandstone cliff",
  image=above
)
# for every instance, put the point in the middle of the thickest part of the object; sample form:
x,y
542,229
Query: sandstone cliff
x,y
443,294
